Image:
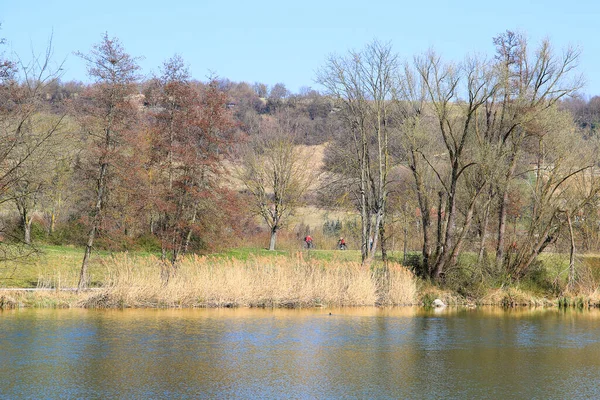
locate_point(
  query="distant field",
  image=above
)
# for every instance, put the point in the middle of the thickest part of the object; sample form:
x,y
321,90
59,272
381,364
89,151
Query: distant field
x,y
316,217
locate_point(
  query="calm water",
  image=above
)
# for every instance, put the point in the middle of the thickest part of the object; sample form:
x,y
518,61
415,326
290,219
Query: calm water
x,y
357,353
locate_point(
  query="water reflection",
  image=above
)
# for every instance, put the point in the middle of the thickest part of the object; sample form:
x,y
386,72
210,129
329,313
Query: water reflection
x,y
246,353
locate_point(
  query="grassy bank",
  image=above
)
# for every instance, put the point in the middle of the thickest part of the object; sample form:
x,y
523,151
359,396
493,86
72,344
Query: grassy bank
x,y
56,267
258,281
258,278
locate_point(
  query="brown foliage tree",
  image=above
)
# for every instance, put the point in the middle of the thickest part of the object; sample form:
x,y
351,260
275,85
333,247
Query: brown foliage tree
x,y
190,136
106,113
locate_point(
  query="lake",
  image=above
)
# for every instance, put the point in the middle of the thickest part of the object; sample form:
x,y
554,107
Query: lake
x,y
254,353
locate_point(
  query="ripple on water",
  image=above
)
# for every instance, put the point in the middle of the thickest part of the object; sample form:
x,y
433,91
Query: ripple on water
x,y
359,353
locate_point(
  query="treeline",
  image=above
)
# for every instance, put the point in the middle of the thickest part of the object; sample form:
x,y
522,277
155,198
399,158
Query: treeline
x,y
493,156
126,162
481,157
134,162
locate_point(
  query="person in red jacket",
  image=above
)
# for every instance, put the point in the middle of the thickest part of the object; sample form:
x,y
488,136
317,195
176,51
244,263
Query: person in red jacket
x,y
309,242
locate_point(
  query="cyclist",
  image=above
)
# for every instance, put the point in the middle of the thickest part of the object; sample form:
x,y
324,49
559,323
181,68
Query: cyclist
x,y
308,241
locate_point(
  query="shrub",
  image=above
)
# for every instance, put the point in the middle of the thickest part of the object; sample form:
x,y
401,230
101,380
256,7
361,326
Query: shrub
x,y
73,232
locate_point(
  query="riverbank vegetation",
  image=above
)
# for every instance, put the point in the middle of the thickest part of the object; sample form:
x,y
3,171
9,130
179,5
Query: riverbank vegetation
x,y
259,278
473,180
258,281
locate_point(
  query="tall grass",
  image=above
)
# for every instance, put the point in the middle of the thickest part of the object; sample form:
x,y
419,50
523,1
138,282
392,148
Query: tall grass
x,y
255,282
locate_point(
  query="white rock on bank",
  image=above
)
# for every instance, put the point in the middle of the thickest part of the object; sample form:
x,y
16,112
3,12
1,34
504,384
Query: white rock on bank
x,y
438,303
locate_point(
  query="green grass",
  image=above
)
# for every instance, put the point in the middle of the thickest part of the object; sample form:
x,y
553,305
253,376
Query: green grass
x,y
54,266
243,253
333,255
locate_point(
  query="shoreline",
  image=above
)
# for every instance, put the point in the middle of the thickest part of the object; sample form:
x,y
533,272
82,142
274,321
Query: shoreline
x,y
106,298
267,282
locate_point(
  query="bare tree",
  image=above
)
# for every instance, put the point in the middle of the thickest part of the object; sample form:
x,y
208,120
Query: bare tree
x,y
28,132
22,140
363,84
276,174
561,181
450,95
528,86
260,89
417,147
484,115
35,176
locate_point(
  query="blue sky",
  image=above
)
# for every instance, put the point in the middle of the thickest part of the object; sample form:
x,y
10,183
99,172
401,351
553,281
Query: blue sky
x,y
278,41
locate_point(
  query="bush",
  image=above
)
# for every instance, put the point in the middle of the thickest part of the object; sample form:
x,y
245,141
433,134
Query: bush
x,y
38,231
16,234
148,242
414,262
471,279
332,228
540,280
73,232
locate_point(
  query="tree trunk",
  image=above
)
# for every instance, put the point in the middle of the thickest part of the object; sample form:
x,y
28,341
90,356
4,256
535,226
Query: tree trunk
x,y
27,229
365,215
439,248
376,233
405,244
526,257
25,224
425,216
83,277
463,234
95,225
501,229
483,230
502,213
188,237
447,254
571,253
25,221
444,241
383,242
174,256
55,211
273,238
52,222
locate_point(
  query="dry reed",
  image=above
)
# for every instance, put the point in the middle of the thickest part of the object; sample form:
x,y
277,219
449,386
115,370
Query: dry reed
x,y
257,282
